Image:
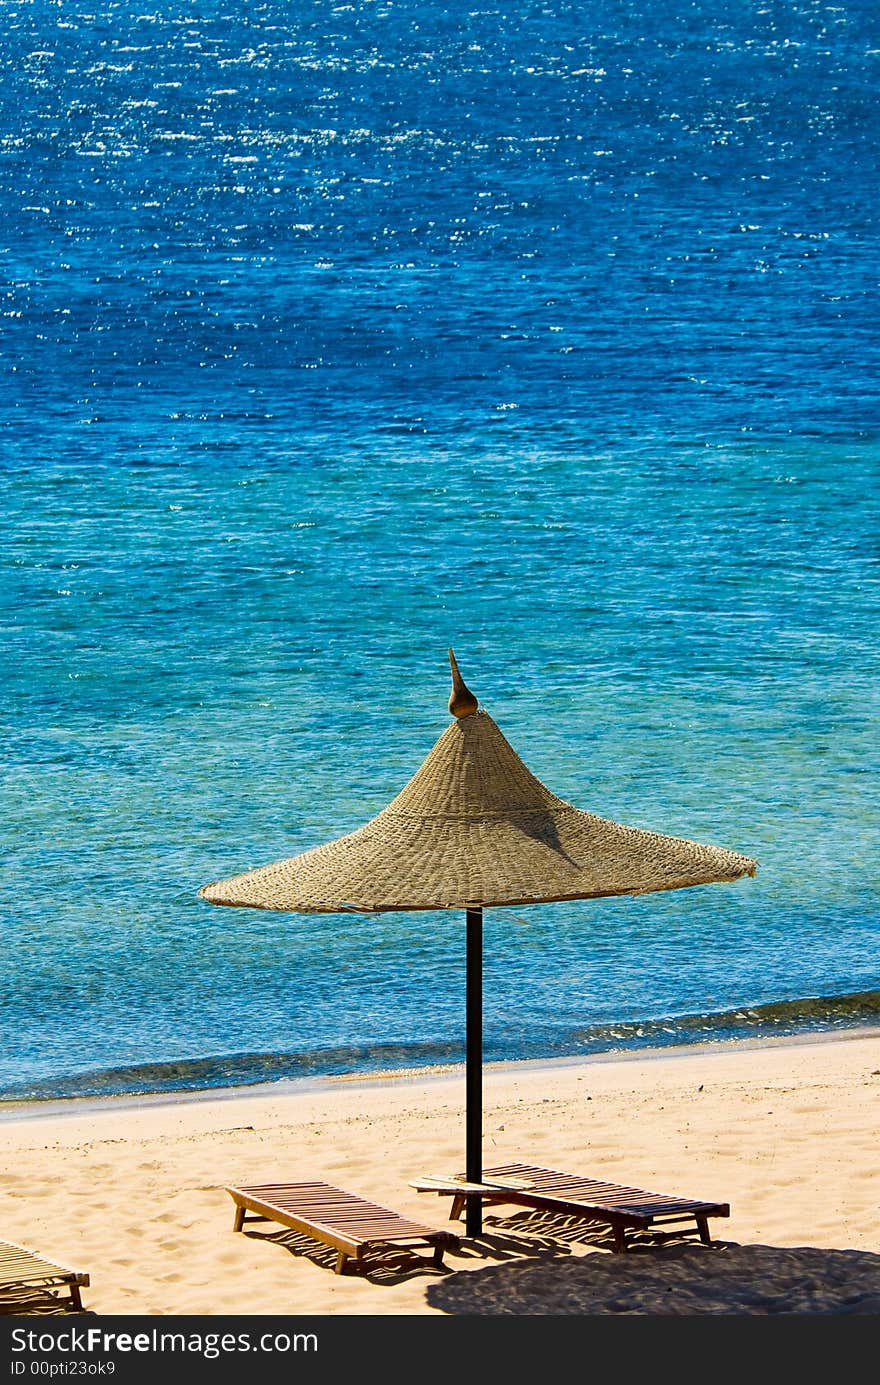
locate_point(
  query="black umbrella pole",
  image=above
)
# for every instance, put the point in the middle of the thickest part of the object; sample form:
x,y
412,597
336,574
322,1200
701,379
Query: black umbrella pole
x,y
474,1068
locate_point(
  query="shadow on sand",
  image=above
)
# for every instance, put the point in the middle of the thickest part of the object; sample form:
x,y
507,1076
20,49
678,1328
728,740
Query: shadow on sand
x,y
541,1263
541,1234
671,1280
24,1302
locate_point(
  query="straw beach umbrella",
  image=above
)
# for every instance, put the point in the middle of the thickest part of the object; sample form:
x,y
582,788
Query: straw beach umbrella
x,y
472,829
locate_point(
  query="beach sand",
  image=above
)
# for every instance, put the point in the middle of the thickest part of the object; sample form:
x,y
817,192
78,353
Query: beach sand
x,y
132,1190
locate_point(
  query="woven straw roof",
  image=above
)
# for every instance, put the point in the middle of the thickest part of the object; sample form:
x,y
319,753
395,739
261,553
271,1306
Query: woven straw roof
x,y
475,827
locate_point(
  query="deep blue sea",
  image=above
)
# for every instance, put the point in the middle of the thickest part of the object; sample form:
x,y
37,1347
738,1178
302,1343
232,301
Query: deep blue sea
x,y
334,335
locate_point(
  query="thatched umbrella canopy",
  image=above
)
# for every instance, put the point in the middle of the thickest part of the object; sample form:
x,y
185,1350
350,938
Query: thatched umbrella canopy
x,y
475,828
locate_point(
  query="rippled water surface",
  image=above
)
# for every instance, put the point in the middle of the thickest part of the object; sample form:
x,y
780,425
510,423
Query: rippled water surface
x,y
336,335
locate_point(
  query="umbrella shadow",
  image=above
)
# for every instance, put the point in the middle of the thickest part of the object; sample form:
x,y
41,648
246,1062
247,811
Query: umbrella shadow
x,y
676,1279
545,831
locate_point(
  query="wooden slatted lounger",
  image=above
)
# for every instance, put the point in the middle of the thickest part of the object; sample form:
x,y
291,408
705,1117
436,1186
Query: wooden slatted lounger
x,y
21,1269
622,1208
348,1223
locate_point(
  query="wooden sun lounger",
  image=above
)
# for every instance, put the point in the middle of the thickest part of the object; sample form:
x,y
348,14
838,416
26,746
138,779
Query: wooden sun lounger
x,y
623,1209
22,1270
348,1223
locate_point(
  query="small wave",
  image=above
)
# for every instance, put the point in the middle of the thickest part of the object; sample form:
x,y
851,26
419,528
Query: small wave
x,y
748,1021
230,1070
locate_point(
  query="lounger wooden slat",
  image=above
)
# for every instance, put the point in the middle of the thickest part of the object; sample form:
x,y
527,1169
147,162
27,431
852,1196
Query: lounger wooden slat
x,y
348,1223
22,1269
620,1207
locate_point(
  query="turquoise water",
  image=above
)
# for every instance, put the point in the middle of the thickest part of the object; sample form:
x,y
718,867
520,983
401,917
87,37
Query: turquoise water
x,y
333,355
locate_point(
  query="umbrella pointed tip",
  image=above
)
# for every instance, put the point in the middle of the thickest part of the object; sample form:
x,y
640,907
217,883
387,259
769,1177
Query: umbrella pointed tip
x,y
462,702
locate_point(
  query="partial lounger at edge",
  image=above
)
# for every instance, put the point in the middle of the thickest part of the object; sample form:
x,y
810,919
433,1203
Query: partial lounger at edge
x,y
22,1270
333,1217
620,1207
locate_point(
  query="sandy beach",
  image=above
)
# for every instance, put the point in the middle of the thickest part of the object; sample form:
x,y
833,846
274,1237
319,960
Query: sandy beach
x,y
133,1190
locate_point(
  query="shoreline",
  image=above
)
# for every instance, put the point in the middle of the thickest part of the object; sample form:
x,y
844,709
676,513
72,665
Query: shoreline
x,y
177,1077
40,1108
